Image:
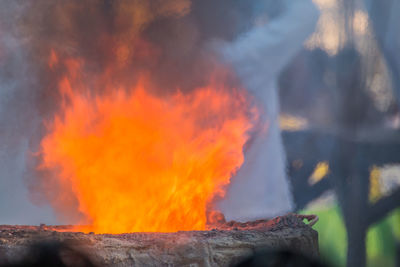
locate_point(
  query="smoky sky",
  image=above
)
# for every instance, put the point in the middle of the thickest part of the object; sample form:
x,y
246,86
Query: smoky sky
x,y
166,39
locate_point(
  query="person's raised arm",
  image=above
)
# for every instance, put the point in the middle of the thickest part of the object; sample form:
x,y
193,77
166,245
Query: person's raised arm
x,y
268,48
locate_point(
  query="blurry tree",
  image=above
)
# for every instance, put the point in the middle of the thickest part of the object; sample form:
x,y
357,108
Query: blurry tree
x,y
357,141
385,20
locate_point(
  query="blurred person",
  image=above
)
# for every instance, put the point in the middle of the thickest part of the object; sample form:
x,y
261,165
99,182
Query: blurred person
x,y
260,188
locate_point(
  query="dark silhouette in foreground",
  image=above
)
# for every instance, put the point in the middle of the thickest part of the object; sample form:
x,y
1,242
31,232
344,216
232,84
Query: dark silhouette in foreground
x,y
279,258
52,254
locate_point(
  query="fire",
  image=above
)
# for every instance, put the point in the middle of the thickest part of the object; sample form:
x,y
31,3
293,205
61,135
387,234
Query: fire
x,y
136,161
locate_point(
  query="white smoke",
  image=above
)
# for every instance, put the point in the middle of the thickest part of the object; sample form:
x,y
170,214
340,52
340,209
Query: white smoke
x,y
18,120
260,189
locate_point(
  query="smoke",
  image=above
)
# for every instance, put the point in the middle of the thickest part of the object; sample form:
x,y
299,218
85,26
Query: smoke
x,y
19,121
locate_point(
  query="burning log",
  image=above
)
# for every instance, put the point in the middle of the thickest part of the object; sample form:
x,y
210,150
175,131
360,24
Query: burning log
x,y
222,246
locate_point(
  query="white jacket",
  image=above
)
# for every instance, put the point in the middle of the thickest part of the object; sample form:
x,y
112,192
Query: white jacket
x,y
260,188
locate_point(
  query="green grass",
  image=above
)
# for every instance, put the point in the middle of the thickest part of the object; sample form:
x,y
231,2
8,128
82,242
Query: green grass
x,y
381,238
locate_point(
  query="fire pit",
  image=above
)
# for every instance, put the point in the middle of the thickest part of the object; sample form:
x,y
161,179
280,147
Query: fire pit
x,y
139,126
217,247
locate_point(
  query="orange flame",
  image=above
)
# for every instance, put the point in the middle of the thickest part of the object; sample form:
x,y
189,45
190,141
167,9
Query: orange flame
x,y
139,162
